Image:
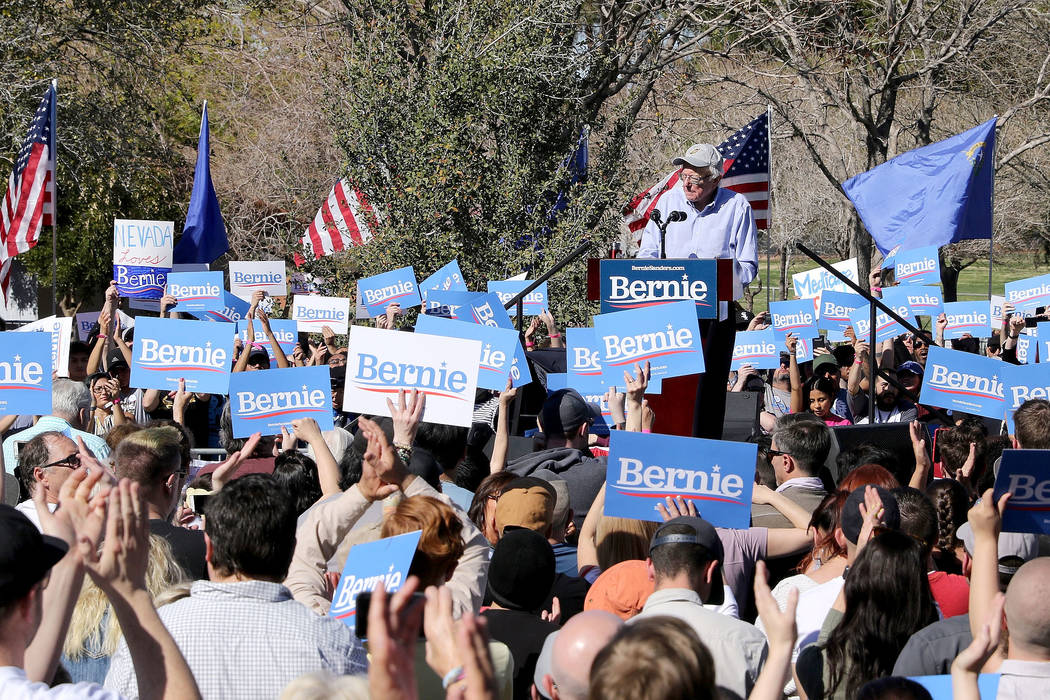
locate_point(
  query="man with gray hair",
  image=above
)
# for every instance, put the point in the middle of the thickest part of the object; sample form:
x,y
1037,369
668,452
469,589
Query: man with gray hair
x,y
70,402
800,445
46,462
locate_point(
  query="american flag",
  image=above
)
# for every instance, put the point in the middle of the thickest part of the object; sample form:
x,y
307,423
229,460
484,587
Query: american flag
x,y
746,170
345,219
29,204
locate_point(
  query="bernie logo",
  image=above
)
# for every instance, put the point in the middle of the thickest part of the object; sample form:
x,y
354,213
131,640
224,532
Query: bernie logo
x,y
914,269
585,361
389,377
493,360
256,279
628,294
1028,494
345,603
533,297
835,312
166,357
969,320
1020,394
652,481
140,282
948,381
927,301
312,315
191,292
752,351
256,406
228,314
1023,295
484,315
21,375
787,322
646,346
388,294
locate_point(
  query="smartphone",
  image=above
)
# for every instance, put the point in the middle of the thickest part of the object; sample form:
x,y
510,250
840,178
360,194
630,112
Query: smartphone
x,y
364,601
820,342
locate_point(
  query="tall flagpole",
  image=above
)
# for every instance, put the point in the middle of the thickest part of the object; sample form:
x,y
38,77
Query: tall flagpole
x,y
54,199
991,237
769,203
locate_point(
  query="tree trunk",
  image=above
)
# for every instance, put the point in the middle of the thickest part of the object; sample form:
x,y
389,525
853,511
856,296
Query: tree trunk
x,y
860,248
950,282
785,258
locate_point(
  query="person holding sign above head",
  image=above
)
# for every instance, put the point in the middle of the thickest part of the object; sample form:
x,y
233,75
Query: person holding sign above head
x,y
703,220
253,356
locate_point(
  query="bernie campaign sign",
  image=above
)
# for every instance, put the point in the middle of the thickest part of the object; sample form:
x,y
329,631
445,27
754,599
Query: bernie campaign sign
x,y
59,330
142,257
1026,347
196,291
995,305
85,321
917,266
885,326
233,309
1042,341
645,468
369,564
633,284
264,401
486,310
1029,294
382,362
450,304
447,279
583,360
834,310
25,375
167,350
533,304
810,283
798,317
248,277
967,318
312,313
394,287
962,381
760,349
1023,382
497,346
666,336
920,300
1023,474
284,331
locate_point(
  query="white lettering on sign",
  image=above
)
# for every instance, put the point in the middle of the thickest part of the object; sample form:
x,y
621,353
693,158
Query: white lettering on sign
x,y
923,300
533,297
350,589
485,315
835,312
1025,490
969,319
585,360
795,320
371,370
634,347
625,289
194,291
959,382
753,349
253,404
492,359
18,372
141,280
633,473
378,296
1015,295
164,355
914,268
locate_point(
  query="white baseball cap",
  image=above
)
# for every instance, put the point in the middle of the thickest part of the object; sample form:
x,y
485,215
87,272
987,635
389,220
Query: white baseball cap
x,y
700,155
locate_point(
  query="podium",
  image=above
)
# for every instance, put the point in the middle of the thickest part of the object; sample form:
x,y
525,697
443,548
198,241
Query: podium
x,y
674,406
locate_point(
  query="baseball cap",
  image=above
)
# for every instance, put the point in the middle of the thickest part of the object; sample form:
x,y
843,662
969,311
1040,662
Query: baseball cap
x,y
910,366
521,571
622,589
526,503
851,520
703,534
115,360
824,359
1024,546
564,411
700,155
561,493
25,554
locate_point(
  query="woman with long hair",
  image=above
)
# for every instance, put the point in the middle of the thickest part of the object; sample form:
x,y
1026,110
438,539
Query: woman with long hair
x,y
952,503
887,599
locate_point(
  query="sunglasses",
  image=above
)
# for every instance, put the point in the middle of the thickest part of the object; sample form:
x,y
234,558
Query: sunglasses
x,y
778,453
70,462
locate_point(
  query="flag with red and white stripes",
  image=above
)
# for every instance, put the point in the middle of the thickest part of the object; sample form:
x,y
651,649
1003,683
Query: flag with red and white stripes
x,y
29,204
745,170
344,220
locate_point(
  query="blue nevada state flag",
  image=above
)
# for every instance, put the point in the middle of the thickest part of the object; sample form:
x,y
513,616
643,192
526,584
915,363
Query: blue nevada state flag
x,y
933,195
204,235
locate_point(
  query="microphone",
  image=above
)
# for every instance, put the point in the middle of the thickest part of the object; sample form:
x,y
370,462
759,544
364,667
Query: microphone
x,y
676,216
655,217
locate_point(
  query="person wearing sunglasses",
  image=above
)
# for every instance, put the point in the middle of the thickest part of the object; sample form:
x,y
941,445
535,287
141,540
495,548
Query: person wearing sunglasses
x,y
45,463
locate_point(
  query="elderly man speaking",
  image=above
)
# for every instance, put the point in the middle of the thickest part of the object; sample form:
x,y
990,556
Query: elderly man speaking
x,y
709,222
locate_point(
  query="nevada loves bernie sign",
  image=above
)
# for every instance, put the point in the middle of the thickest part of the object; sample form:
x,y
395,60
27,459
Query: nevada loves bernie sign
x,y
834,311
382,362
312,313
760,349
1023,474
645,468
168,349
918,266
25,374
370,564
497,346
962,381
394,287
265,400
634,284
666,336
142,257
533,303
248,277
196,291
797,317
967,318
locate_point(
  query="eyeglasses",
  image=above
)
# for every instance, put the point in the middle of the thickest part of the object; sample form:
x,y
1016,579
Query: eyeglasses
x,y
70,462
693,181
777,453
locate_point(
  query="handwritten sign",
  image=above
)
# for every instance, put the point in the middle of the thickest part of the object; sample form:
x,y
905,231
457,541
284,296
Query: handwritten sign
x,y
967,318
644,468
313,313
962,381
634,284
142,256
497,346
1023,474
248,277
25,374
369,564
265,400
918,266
666,336
810,283
168,349
533,304
396,286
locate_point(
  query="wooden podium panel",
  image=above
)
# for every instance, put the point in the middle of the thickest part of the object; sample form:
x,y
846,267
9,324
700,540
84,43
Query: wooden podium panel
x,y
673,406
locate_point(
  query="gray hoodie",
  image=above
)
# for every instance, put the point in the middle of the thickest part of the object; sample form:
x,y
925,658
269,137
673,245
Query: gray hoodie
x,y
583,474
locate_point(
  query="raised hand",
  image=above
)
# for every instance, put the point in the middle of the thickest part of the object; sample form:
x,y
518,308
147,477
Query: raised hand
x,y
406,415
226,471
121,566
393,628
380,456
676,507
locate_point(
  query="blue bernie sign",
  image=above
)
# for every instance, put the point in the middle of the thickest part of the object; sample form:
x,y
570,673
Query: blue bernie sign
x,y
448,279
918,266
395,286
1023,474
797,317
633,284
533,304
25,374
760,349
196,292
265,400
368,565
1029,294
168,349
962,381
835,309
967,318
666,336
497,346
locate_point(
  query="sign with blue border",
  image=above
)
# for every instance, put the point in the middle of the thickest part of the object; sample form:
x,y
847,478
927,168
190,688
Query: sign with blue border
x,y
962,381
264,401
666,336
533,304
497,346
196,291
644,468
396,286
835,309
284,330
1024,475
917,266
633,284
168,349
967,318
368,565
142,257
25,374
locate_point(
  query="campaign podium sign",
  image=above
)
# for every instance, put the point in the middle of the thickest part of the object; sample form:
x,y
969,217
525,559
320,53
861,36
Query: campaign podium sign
x,y
967,318
25,374
962,381
142,257
533,304
368,565
168,349
448,279
633,284
264,401
666,336
497,346
645,468
1024,474
918,266
284,330
760,349
797,317
383,362
248,277
834,312
312,313
393,287
196,291
1029,294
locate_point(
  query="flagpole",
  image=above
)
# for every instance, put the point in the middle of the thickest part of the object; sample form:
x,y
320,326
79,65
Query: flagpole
x,y
769,203
991,236
54,200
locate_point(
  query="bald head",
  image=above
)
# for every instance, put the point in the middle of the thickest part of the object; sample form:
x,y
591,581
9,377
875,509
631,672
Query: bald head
x,y
1028,610
575,647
